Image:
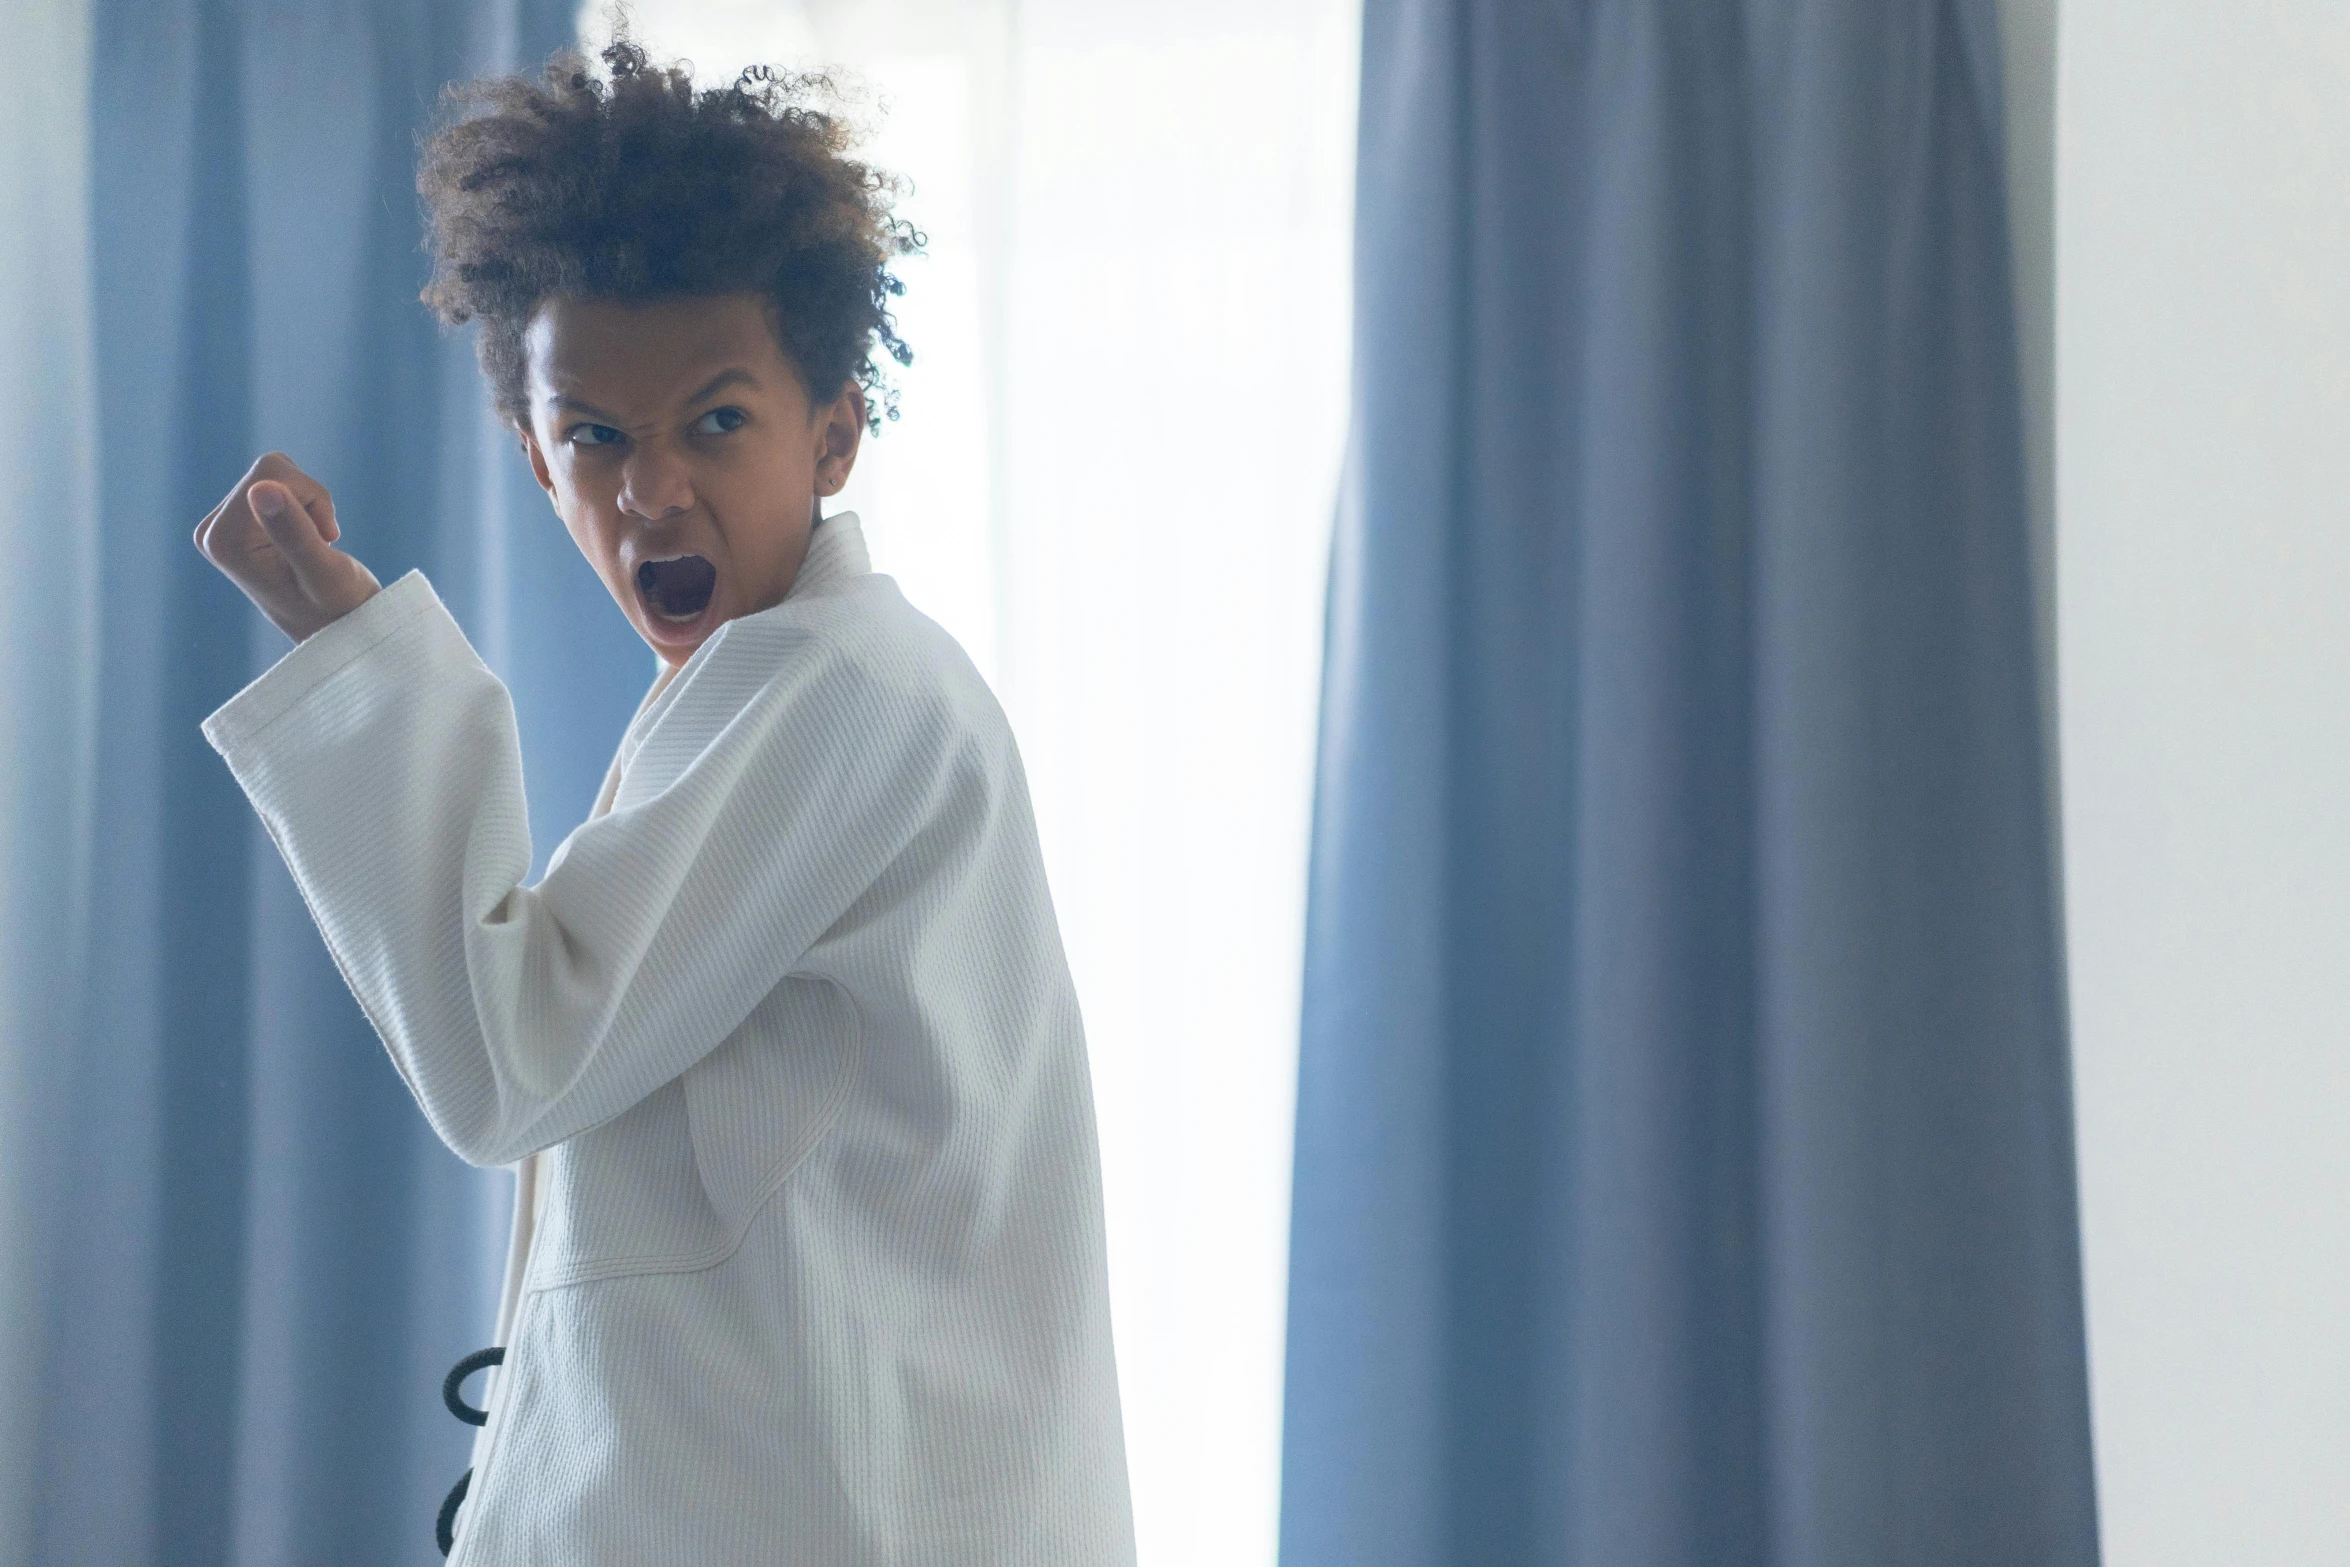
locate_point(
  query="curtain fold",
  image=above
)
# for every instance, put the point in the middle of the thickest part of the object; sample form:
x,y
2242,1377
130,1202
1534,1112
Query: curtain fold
x,y
257,1261
47,634
1684,1167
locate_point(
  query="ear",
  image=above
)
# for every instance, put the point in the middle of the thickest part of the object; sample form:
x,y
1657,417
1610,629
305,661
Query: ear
x,y
839,431
538,459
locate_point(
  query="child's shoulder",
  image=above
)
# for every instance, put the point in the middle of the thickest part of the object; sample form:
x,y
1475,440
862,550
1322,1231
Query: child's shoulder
x,y
858,644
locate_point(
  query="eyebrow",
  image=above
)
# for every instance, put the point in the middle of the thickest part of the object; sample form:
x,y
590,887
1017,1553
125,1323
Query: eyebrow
x,y
721,381
577,406
716,384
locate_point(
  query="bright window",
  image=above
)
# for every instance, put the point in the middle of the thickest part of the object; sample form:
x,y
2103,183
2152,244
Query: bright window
x,y
1113,483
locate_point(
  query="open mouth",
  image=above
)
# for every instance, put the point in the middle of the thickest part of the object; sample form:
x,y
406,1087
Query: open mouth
x,y
678,588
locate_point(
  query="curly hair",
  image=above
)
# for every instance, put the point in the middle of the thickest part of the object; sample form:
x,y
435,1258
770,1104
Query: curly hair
x,y
644,187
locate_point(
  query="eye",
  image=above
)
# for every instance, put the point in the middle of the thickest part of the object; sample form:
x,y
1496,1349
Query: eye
x,y
719,421
593,435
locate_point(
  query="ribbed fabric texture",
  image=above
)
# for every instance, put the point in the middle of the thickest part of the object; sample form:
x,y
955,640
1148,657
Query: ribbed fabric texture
x,y
819,1276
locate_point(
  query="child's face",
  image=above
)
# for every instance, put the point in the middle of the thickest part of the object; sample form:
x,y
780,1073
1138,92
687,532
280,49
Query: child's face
x,y
682,452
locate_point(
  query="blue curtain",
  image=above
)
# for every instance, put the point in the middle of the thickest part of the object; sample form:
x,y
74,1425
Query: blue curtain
x,y
260,1261
1684,1167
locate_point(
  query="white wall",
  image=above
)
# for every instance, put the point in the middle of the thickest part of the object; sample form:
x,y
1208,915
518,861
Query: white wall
x,y
2203,546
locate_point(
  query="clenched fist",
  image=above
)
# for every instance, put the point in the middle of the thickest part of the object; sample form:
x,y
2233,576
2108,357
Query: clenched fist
x,y
274,537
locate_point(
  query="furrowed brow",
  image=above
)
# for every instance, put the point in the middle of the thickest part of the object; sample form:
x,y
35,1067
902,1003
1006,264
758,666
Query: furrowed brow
x,y
721,381
585,409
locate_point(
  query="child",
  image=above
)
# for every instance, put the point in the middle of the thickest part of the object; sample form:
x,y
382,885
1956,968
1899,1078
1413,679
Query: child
x,y
808,1259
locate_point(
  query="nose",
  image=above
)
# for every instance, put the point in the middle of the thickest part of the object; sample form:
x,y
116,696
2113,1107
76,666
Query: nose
x,y
654,483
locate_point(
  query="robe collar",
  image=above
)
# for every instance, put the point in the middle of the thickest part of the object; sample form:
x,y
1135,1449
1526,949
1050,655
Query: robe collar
x,y
836,549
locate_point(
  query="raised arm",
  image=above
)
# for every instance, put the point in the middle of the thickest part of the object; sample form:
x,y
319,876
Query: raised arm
x,y
382,756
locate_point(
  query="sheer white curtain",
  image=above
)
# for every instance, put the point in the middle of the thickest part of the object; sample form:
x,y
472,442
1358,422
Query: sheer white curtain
x,y
1113,482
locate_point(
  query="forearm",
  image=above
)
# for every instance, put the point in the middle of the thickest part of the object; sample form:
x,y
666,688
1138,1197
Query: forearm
x,y
381,756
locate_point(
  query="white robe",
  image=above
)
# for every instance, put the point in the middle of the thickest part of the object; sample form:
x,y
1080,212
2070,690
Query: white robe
x,y
816,1273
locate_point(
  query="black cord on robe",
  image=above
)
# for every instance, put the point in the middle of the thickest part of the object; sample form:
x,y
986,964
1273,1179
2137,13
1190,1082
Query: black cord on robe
x,y
444,1528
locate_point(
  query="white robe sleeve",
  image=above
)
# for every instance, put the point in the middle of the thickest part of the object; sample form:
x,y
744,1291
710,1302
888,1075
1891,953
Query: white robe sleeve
x,y
381,755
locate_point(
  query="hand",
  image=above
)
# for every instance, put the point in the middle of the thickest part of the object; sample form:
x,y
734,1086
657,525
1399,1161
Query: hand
x,y
274,537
